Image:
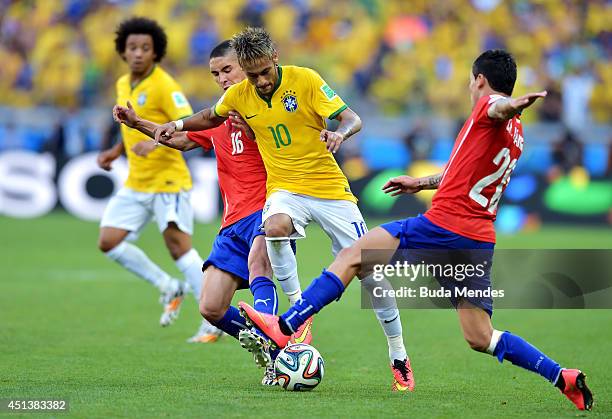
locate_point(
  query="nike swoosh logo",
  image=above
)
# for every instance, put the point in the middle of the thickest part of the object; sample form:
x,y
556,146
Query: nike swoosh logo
x,y
392,320
302,337
251,116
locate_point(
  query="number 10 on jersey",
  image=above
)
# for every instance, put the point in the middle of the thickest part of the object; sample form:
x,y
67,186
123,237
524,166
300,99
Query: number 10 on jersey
x,y
281,135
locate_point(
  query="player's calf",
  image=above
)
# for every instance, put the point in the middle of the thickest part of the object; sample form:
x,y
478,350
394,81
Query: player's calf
x,y
571,382
479,342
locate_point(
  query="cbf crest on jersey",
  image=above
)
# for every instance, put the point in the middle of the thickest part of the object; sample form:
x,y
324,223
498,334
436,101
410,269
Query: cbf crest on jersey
x,y
142,98
289,100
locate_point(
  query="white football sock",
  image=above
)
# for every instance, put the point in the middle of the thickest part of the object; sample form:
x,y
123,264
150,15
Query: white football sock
x,y
389,318
284,265
136,261
397,350
190,264
295,297
495,336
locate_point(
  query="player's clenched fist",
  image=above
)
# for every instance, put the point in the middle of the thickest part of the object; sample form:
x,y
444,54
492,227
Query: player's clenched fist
x,y
166,130
332,139
402,184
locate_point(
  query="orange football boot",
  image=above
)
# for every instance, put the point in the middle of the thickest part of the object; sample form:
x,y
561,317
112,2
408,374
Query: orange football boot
x,y
403,380
266,323
303,334
576,389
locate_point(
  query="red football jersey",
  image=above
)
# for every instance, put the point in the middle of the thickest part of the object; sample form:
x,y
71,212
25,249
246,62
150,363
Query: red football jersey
x,y
477,172
242,176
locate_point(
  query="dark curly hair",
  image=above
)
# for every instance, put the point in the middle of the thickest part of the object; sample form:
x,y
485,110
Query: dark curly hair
x,y
142,26
499,68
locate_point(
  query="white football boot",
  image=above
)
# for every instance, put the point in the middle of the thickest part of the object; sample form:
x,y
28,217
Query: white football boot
x,y
207,333
173,294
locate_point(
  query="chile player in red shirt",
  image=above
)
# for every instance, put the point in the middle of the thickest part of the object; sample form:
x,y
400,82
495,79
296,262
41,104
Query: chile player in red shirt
x,y
239,257
461,217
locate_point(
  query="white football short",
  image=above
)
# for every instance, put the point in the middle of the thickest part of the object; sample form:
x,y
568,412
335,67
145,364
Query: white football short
x,y
340,219
131,210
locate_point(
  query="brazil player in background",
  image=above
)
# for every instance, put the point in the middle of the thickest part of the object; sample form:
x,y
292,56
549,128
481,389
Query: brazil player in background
x,y
239,258
158,185
461,217
286,107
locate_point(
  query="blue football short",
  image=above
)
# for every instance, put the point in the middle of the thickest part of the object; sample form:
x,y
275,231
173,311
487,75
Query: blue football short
x,y
232,245
421,240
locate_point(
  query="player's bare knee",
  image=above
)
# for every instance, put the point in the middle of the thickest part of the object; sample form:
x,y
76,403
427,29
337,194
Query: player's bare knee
x,y
177,242
278,225
177,247
211,312
350,256
176,251
106,244
278,230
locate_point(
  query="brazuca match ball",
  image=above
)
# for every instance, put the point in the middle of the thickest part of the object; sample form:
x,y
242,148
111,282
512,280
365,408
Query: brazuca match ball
x,y
299,367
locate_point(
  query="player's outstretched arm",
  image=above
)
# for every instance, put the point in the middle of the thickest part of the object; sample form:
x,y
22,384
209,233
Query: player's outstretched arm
x,y
127,115
507,108
179,141
411,185
350,123
203,120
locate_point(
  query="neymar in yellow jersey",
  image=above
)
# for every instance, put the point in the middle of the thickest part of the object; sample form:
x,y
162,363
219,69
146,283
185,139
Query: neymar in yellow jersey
x,y
158,184
287,108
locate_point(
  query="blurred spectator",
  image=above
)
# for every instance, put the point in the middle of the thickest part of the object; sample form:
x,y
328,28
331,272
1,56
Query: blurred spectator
x,y
551,109
252,13
13,136
69,136
567,153
419,140
111,135
204,38
399,56
609,170
577,90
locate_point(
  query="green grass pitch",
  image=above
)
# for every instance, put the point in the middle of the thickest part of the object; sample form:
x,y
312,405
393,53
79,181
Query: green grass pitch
x,y
75,325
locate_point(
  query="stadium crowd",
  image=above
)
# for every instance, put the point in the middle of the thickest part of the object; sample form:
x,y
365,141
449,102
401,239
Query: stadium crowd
x,y
397,55
404,60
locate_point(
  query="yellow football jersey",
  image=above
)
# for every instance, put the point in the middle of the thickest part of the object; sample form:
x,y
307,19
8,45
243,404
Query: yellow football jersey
x,y
288,127
159,99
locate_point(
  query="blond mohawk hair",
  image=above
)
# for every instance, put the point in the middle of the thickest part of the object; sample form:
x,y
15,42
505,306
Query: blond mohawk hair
x,y
253,44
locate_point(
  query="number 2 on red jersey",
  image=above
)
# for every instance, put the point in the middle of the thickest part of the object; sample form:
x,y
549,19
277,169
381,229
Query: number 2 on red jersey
x,y
501,176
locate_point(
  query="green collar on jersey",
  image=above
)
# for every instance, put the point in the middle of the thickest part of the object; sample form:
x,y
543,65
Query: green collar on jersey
x,y
132,87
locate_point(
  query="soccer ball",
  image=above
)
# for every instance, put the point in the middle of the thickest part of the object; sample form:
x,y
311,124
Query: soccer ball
x,y
299,367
